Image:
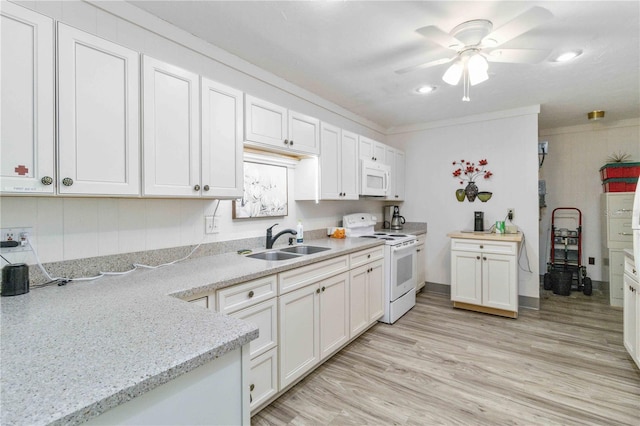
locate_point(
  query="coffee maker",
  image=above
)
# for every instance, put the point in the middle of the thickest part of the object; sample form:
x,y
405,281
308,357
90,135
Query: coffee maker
x,y
392,218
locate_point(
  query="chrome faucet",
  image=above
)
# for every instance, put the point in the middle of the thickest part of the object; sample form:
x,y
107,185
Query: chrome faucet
x,y
271,240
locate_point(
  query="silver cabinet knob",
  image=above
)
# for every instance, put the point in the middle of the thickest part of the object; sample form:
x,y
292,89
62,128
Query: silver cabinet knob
x,y
196,188
251,293
286,141
206,187
290,142
46,180
67,181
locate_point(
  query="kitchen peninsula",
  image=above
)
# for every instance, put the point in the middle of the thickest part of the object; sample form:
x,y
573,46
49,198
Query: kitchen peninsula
x,y
73,352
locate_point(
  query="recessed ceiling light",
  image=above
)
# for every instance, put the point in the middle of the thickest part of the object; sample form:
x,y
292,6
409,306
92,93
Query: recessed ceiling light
x,y
567,56
423,90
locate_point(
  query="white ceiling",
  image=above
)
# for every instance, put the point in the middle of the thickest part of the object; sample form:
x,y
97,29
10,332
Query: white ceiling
x,y
347,52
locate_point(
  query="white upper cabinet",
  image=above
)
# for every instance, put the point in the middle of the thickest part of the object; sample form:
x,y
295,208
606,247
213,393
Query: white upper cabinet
x,y
171,141
273,127
338,164
371,150
222,165
98,115
27,101
395,159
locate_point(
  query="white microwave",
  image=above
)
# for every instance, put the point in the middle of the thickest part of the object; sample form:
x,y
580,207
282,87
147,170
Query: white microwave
x,y
374,178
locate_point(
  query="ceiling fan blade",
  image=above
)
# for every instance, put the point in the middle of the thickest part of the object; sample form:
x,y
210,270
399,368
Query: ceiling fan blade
x,y
438,36
425,65
519,25
517,56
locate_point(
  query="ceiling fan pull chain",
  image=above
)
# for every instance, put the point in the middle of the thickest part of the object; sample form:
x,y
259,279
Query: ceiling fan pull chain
x,y
465,84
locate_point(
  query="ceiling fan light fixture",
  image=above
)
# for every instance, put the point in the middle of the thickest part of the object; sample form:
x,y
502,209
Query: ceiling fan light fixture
x,y
478,67
453,73
595,115
567,56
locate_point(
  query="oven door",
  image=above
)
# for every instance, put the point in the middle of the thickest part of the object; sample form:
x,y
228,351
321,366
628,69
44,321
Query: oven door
x,y
402,269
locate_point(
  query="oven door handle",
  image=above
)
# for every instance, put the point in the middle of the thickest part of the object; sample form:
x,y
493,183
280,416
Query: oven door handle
x,y
408,247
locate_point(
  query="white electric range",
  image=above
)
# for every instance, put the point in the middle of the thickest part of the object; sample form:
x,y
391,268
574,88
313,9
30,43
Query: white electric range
x,y
400,258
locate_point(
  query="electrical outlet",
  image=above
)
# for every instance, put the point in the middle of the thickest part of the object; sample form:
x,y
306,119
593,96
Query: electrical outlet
x,y
11,236
510,213
211,224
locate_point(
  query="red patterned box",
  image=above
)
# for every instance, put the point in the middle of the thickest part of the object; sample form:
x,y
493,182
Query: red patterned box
x,y
619,170
619,184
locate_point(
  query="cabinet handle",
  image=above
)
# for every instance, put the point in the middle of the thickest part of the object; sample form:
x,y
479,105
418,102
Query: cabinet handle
x,y
252,387
251,293
323,288
396,196
46,180
481,246
67,181
286,141
318,290
196,188
478,257
625,233
369,256
484,258
250,398
290,142
418,250
206,187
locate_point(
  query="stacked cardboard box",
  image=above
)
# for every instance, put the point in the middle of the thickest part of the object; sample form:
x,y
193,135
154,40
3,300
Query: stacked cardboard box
x,y
619,177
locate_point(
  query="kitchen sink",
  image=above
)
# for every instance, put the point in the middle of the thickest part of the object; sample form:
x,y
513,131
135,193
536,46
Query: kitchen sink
x,y
273,255
304,249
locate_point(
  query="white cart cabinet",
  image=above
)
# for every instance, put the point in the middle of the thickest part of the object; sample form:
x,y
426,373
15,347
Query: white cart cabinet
x,y
615,217
273,127
98,115
484,273
27,101
631,310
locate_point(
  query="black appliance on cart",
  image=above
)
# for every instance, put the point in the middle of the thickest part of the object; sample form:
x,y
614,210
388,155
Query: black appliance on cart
x,y
565,271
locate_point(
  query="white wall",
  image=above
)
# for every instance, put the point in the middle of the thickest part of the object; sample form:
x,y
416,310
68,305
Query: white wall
x,y
571,171
509,143
72,228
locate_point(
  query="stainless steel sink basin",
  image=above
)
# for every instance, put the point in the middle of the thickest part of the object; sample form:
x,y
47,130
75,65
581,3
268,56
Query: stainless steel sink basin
x,y
304,249
273,255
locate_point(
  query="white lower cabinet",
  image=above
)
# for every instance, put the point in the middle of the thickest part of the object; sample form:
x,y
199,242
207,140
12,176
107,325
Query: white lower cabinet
x,y
263,378
421,262
299,333
484,276
631,310
334,314
366,296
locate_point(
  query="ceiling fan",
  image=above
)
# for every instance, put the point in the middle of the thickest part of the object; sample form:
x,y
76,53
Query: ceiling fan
x,y
476,43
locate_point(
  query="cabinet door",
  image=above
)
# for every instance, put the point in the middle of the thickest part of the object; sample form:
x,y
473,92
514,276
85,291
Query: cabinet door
x,y
349,165
27,101
299,333
630,323
98,119
466,277
304,133
265,123
265,316
263,378
221,170
399,176
371,150
616,272
390,160
375,289
330,171
358,300
334,313
499,281
171,130
421,261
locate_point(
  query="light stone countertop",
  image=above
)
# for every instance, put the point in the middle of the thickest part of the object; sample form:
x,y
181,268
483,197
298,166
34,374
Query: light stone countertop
x,y
72,352
412,228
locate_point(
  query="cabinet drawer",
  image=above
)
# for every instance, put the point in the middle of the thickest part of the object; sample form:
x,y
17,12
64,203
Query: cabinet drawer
x,y
300,277
232,299
497,247
265,316
263,378
620,230
630,268
620,205
366,256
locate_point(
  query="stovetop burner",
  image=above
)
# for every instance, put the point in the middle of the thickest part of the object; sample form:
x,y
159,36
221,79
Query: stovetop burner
x,y
397,235
368,236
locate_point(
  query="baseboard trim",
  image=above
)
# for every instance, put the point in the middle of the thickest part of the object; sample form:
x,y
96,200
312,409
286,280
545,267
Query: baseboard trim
x,y
528,302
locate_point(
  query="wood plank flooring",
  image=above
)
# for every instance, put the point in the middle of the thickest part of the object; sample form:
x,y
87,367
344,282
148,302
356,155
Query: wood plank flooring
x,y
562,365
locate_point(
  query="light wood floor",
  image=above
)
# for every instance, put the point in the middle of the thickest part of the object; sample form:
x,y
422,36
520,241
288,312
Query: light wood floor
x,y
562,365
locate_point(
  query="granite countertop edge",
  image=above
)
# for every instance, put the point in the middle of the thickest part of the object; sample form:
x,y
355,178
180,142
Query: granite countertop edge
x,y
206,274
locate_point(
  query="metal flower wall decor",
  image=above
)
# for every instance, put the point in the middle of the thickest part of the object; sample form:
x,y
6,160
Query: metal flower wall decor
x,y
467,171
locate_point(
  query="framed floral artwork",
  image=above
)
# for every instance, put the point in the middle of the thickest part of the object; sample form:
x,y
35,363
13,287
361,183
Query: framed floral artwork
x,y
265,192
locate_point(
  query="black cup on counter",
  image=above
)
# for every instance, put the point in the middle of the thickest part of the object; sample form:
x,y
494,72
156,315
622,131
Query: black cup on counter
x,y
15,279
